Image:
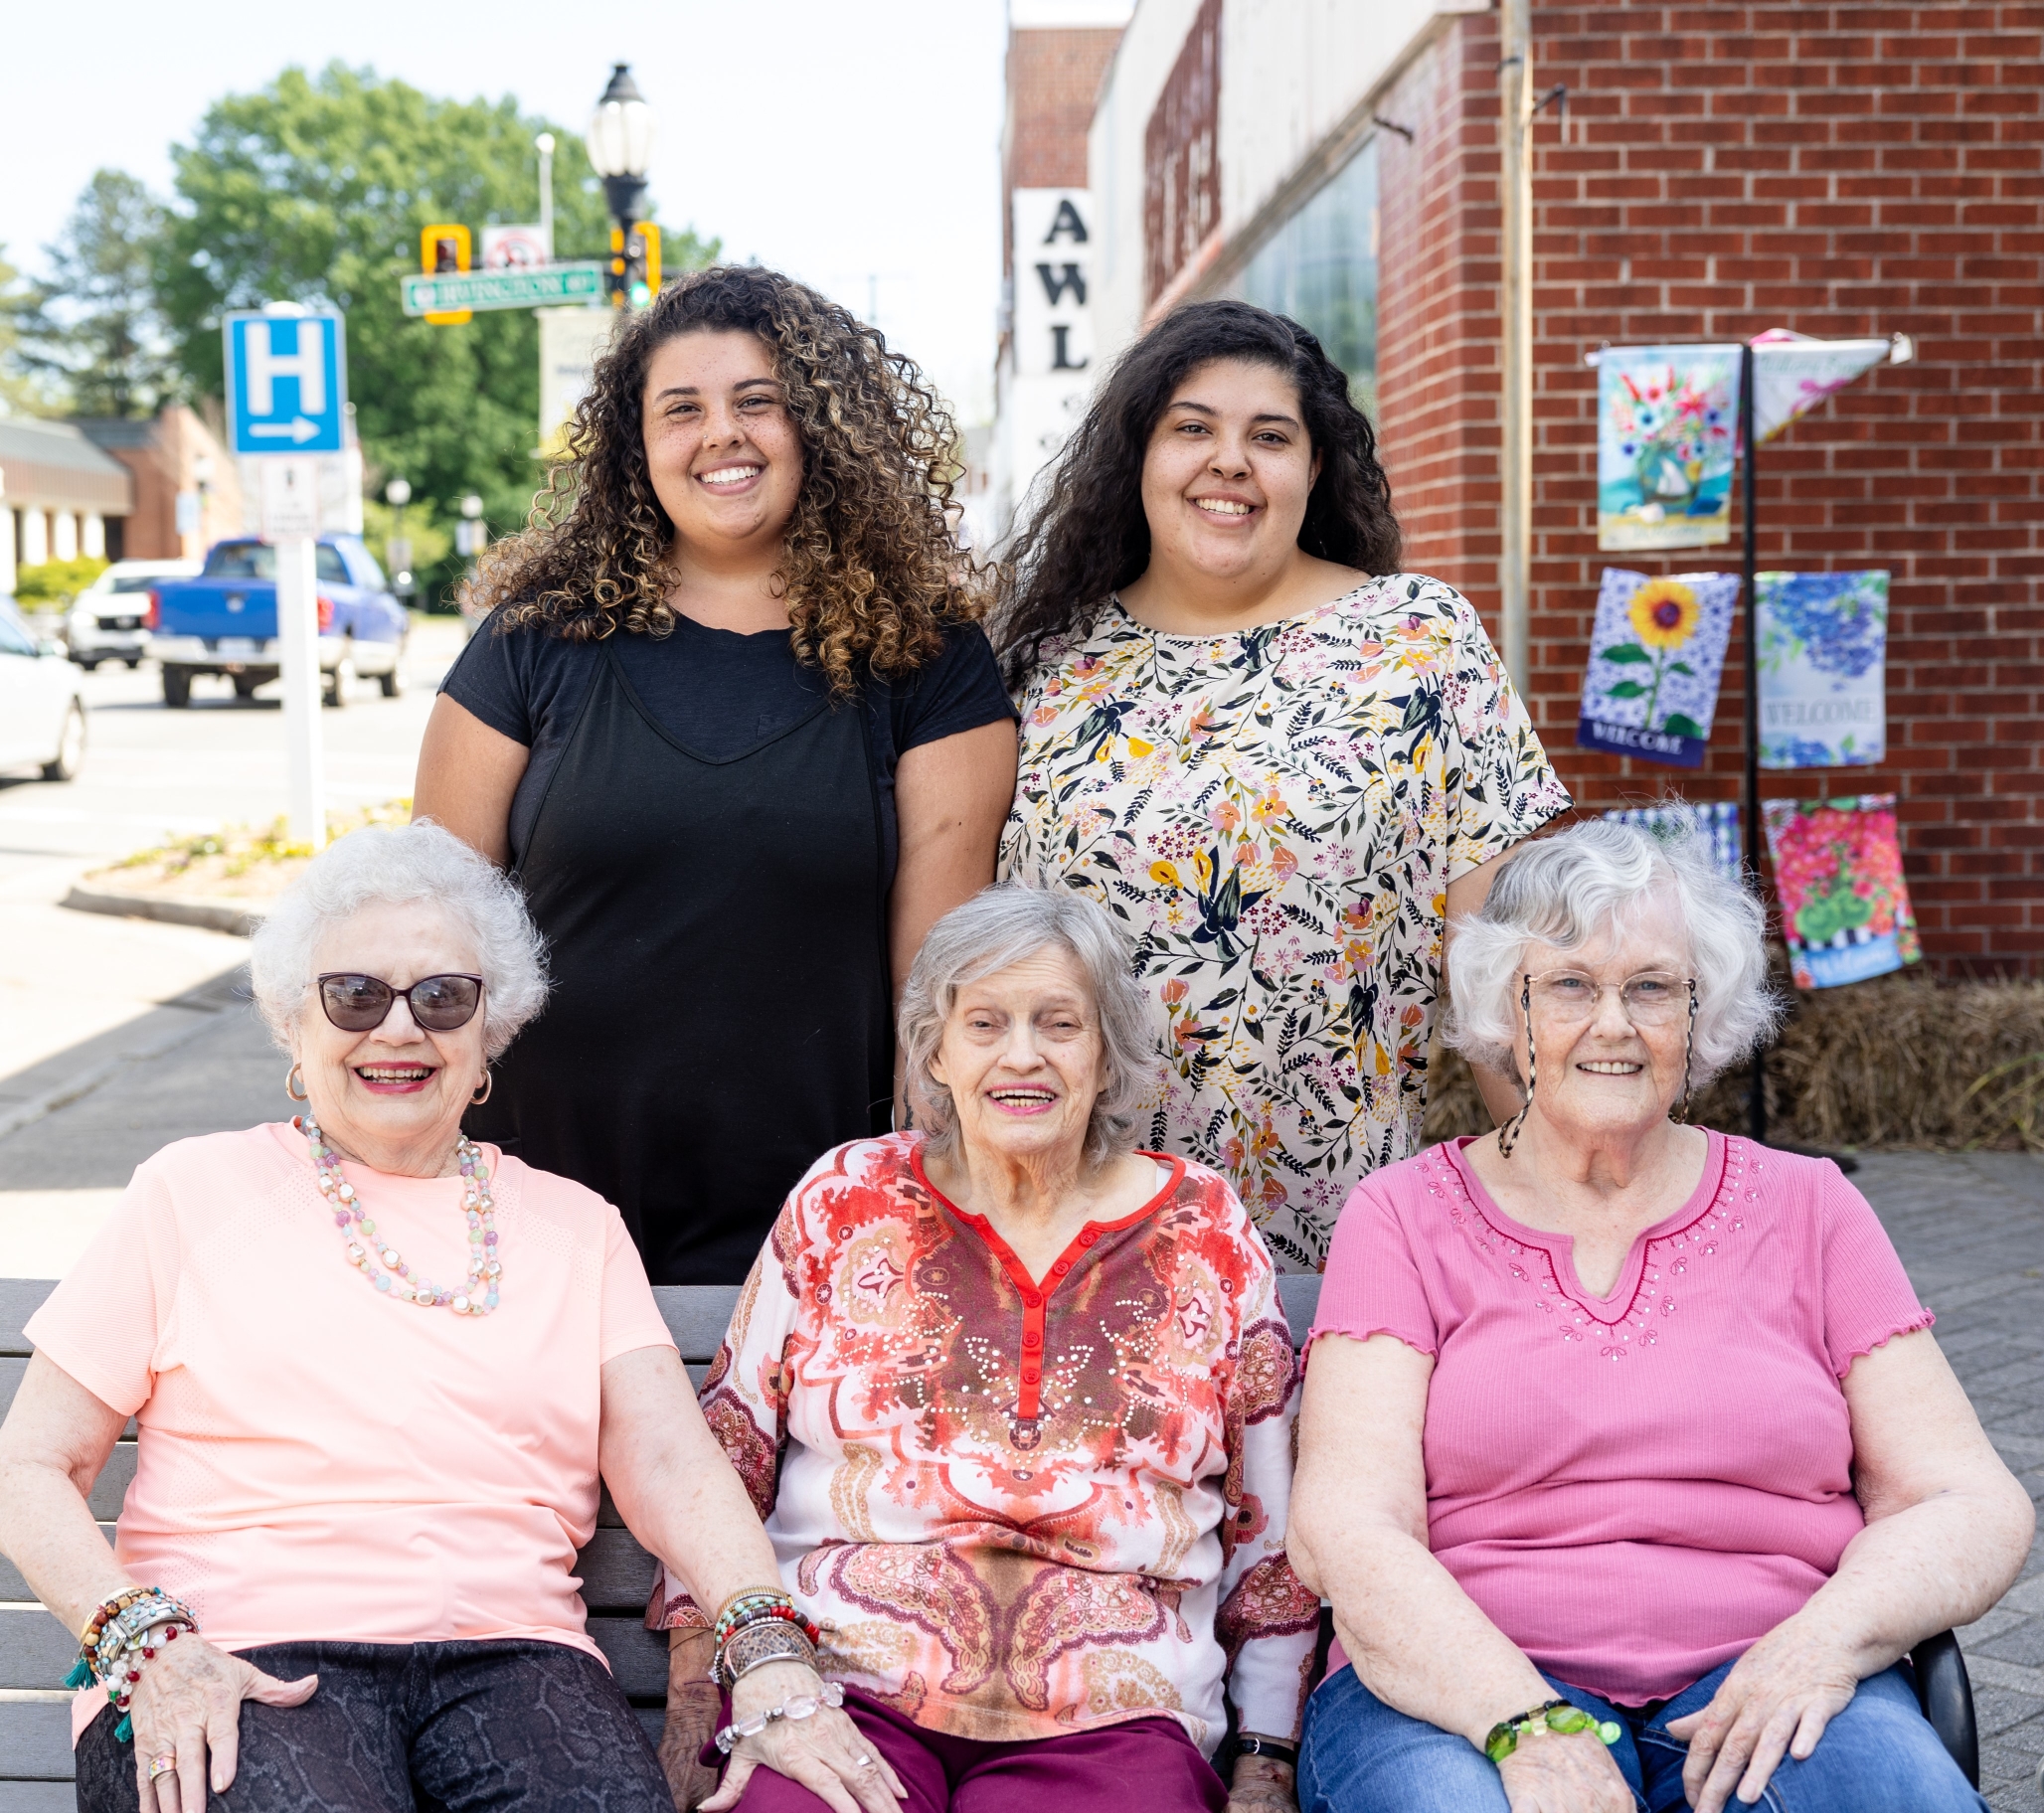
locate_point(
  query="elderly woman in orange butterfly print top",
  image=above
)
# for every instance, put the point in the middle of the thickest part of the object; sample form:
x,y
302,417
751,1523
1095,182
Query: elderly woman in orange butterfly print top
x,y
1016,1403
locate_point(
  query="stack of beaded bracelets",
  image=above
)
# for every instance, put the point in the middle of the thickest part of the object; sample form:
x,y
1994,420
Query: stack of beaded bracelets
x,y
1554,1715
122,1634
755,1627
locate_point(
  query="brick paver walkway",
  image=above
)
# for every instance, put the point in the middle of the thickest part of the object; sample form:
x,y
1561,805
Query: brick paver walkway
x,y
1970,1230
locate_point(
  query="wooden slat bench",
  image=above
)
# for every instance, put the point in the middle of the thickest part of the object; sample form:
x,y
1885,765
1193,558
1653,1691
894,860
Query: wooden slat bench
x,y
617,1574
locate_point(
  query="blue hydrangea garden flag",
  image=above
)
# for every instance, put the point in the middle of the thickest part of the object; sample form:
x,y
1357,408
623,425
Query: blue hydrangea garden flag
x,y
1667,425
1822,641
1656,654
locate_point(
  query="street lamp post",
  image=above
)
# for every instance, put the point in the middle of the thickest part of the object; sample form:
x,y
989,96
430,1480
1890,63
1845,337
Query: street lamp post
x,y
398,549
620,146
544,145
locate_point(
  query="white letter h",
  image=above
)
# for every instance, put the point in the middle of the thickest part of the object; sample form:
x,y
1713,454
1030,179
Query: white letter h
x,y
262,365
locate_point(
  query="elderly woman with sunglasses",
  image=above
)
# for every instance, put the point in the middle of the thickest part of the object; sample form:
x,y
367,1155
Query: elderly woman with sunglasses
x,y
377,1370
1628,1459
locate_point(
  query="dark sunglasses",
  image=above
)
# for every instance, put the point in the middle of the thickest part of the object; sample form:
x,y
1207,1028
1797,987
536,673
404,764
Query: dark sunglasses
x,y
439,1004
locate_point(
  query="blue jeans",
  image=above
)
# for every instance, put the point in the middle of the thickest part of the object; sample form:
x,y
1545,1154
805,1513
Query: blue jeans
x,y
1879,1755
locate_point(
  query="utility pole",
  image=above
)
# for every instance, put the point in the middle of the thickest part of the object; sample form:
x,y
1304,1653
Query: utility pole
x,y
1515,460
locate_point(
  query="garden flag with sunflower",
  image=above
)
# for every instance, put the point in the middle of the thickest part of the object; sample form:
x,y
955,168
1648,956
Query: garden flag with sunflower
x,y
1656,656
1667,428
1845,910
1822,637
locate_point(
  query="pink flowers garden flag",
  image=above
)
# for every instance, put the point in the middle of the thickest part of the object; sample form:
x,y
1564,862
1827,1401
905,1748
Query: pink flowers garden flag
x,y
1845,910
1656,654
1668,427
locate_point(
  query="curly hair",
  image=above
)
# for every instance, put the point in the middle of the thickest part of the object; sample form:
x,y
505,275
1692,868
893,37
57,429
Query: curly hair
x,y
1088,535
871,573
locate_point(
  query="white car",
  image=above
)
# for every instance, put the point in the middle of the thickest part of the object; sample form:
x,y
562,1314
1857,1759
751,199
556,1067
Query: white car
x,y
41,711
106,622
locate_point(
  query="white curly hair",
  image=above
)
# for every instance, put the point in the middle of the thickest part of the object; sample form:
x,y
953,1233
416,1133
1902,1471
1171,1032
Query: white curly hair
x,y
1571,890
402,863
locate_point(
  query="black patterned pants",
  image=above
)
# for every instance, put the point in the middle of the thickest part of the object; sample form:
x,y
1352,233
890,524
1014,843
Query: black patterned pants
x,y
419,1727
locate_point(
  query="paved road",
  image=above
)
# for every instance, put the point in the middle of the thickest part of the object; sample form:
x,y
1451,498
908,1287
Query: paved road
x,y
68,978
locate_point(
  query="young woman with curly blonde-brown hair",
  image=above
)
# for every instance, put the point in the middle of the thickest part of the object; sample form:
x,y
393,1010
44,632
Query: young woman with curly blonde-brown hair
x,y
733,726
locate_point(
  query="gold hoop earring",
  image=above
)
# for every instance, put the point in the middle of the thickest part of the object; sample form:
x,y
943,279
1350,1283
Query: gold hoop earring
x,y
489,1082
294,1080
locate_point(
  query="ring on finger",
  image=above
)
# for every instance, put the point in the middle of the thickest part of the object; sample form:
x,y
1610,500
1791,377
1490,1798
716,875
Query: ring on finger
x,y
166,1764
864,1762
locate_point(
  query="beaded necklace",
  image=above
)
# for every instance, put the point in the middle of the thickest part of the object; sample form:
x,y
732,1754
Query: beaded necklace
x,y
479,1297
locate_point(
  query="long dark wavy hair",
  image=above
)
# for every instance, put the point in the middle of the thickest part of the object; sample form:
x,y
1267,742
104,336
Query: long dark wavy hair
x,y
871,573
1088,536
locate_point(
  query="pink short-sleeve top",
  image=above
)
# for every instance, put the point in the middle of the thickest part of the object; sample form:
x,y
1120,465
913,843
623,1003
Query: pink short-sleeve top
x,y
318,1460
1632,1488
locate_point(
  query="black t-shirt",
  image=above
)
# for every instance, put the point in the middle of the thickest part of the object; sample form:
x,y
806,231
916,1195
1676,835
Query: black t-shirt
x,y
715,692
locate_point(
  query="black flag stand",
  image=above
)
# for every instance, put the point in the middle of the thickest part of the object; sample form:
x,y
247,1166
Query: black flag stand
x,y
1749,444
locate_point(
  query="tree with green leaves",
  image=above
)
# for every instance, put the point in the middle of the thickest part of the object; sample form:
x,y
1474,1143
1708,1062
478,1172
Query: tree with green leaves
x,y
316,190
95,332
23,389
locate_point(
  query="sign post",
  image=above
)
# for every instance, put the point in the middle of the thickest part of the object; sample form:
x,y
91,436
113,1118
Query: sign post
x,y
287,399
542,286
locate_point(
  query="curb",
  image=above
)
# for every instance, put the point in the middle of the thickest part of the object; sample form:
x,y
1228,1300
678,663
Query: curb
x,y
235,917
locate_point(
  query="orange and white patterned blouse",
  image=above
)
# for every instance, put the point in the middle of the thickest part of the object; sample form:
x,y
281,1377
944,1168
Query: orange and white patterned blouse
x,y
1022,1508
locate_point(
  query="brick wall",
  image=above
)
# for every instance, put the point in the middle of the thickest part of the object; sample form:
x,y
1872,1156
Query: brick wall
x,y
1838,170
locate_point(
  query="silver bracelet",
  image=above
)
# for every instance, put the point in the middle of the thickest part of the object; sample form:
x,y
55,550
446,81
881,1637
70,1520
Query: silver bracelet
x,y
802,1705
775,1640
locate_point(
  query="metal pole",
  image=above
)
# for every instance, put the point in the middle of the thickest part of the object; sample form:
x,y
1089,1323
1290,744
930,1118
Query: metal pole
x,y
297,628
1515,461
545,142
1749,447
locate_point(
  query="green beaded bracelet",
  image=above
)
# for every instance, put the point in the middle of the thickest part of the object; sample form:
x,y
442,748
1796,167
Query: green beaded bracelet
x,y
1557,1716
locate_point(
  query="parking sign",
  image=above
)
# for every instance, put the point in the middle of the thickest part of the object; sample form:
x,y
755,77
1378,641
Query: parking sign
x,y
287,382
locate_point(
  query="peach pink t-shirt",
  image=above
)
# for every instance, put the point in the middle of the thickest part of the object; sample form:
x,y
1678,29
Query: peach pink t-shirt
x,y
317,1460
1633,1488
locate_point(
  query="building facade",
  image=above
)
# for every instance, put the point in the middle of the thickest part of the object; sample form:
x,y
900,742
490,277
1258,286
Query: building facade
x,y
187,488
1837,170
60,496
1044,370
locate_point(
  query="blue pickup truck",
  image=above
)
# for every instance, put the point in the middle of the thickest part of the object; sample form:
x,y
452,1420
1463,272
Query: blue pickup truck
x,y
224,621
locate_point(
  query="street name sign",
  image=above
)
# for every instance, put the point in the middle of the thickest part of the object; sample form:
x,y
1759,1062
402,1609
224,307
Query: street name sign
x,y
287,382
548,287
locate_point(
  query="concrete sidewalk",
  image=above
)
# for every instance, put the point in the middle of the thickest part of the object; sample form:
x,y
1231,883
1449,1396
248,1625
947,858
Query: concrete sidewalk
x,y
1970,1228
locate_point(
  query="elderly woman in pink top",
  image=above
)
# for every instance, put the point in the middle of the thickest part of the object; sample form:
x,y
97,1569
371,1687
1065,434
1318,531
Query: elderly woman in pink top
x,y
377,1371
1016,1402
1628,1459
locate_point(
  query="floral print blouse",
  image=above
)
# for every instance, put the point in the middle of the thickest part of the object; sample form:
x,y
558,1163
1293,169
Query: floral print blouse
x,y
1275,816
1021,1507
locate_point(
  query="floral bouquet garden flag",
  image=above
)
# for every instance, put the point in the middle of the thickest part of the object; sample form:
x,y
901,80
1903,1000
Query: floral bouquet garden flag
x,y
1655,657
1668,420
1822,639
1845,909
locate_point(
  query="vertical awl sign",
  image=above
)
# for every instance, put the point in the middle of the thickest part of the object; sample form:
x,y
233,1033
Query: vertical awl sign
x,y
286,398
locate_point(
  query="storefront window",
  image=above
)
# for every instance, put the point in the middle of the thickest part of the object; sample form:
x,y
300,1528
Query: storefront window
x,y
1320,268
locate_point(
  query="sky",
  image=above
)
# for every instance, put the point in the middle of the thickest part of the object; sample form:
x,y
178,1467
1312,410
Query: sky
x,y
853,143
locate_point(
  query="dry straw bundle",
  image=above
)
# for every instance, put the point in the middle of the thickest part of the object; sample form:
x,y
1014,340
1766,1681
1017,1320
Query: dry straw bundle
x,y
1902,1060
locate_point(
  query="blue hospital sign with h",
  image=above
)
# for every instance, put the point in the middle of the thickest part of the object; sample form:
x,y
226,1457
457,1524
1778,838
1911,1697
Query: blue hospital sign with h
x,y
286,383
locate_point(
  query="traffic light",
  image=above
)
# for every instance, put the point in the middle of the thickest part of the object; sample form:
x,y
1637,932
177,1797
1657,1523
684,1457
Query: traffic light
x,y
635,264
442,250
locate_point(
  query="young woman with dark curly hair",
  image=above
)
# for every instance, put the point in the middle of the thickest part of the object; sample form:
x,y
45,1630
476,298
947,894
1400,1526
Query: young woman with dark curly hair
x,y
733,726
1282,762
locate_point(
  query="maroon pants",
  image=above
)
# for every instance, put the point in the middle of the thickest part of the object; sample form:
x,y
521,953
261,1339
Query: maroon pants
x,y
1144,1765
